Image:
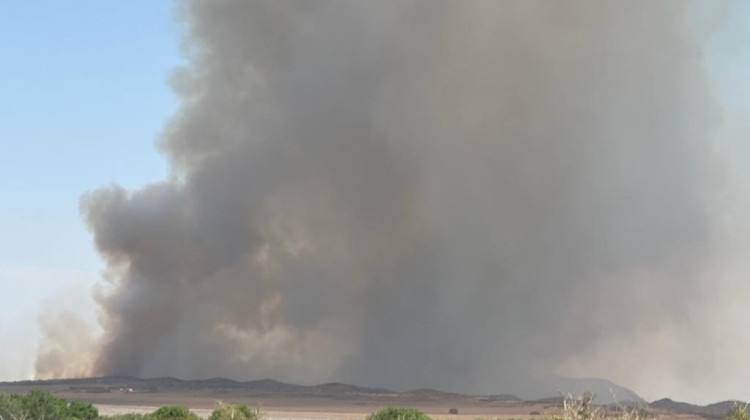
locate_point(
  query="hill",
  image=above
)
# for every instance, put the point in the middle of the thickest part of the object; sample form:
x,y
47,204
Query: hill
x,y
550,388
712,411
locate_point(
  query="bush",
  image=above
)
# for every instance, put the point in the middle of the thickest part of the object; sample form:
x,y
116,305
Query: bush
x,y
739,412
578,408
453,411
534,413
173,412
43,405
11,407
82,411
398,413
127,416
582,408
236,412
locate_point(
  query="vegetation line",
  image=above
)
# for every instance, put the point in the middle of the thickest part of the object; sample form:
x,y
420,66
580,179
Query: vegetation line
x,y
41,405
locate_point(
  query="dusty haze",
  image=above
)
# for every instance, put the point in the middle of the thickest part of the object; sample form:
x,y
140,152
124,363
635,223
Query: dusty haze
x,y
455,194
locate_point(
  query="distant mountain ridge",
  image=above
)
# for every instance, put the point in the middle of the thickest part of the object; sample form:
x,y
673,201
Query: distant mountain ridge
x,y
254,387
717,410
549,389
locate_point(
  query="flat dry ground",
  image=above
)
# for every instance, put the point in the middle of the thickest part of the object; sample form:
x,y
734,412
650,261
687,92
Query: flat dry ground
x,y
335,412
322,409
310,408
304,408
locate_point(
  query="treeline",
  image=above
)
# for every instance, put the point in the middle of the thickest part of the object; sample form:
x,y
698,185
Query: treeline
x,y
41,405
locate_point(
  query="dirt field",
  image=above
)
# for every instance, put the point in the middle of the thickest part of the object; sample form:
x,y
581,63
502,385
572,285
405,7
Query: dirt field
x,y
320,409
340,413
325,402
305,408
297,408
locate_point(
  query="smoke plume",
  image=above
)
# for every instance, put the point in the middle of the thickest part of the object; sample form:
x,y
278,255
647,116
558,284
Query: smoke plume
x,y
455,194
68,346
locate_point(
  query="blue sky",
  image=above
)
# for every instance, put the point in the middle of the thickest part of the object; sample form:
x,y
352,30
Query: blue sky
x,y
84,94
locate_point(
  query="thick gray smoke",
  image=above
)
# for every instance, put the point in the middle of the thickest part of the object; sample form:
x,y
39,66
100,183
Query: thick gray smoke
x,y
455,194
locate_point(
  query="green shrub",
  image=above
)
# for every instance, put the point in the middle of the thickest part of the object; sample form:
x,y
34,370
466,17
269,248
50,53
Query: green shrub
x,y
11,407
127,416
236,412
82,411
173,412
398,413
43,405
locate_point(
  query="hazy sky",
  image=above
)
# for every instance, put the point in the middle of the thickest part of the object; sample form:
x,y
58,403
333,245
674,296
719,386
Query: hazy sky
x,y
83,94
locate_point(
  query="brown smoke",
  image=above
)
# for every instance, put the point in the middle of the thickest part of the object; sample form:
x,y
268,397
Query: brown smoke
x,y
456,194
68,348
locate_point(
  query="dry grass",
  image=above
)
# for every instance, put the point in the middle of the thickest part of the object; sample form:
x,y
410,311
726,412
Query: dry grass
x,y
739,412
582,408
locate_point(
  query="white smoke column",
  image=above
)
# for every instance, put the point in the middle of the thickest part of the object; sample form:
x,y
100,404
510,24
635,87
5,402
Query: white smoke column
x,y
456,194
